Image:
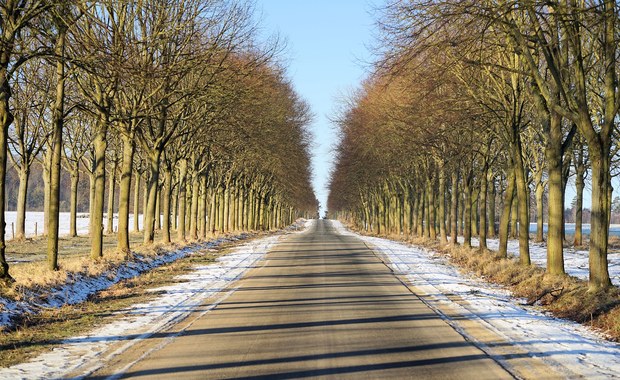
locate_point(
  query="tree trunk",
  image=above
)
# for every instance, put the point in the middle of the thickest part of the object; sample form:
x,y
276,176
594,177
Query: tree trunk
x,y
111,188
175,207
461,214
193,225
182,199
167,194
442,207
482,235
432,232
426,219
20,228
152,193
91,198
566,165
454,208
523,199
145,198
136,203
491,225
514,218
474,213
599,227
221,207
213,212
203,206
579,186
124,194
47,164
467,211
416,215
505,217
75,181
540,216
58,117
226,210
96,219
553,155
6,118
158,207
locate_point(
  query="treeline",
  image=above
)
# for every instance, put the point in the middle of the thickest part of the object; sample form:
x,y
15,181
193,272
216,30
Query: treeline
x,y
179,103
473,101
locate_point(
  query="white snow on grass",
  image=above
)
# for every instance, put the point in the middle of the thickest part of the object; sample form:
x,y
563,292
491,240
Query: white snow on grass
x,y
575,261
85,354
568,347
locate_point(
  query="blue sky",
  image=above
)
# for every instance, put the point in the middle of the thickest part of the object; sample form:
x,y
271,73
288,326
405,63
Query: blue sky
x,y
326,49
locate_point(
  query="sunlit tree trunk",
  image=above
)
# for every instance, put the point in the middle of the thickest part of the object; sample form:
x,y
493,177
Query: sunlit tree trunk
x,y
203,205
553,155
442,207
20,225
75,181
523,209
193,225
46,175
154,158
158,207
467,215
580,173
432,232
493,194
167,195
540,216
504,221
483,209
136,203
124,194
96,219
111,193
454,206
182,199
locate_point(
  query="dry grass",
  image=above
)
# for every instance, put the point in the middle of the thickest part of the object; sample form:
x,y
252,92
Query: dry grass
x,y
564,296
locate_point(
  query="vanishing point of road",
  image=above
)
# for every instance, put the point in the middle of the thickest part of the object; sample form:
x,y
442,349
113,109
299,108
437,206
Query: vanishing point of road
x,y
320,305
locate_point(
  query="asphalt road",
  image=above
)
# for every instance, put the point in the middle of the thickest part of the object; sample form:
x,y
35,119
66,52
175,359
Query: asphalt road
x,y
321,305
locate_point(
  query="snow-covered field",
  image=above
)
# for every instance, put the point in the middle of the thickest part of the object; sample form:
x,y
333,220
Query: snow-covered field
x,y
568,347
85,354
575,261
34,222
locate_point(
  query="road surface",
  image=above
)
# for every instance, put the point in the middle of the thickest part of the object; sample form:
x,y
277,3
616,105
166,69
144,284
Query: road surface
x,y
320,305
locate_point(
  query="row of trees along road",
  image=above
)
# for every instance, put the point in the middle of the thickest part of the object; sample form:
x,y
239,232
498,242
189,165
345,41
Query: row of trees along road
x,y
179,94
469,99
